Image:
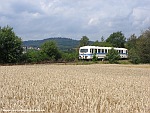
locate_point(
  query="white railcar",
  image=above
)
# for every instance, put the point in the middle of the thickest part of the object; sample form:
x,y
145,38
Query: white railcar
x,y
87,52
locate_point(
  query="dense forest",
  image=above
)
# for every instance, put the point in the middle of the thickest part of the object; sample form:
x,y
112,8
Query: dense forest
x,y
65,49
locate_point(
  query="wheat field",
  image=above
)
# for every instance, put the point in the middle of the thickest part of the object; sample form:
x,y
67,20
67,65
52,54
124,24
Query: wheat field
x,y
96,88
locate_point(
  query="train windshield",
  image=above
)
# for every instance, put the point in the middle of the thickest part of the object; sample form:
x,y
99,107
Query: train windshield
x,y
83,50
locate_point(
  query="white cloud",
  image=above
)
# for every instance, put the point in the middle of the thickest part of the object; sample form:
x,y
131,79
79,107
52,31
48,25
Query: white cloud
x,y
140,13
38,19
93,21
141,17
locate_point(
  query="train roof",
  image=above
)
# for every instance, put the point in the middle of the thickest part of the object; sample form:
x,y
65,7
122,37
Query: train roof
x,y
83,47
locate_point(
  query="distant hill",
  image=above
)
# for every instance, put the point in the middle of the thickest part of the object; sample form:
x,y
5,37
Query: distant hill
x,y
62,43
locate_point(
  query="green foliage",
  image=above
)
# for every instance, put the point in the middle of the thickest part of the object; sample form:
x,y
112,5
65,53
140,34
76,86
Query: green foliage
x,y
96,43
135,59
112,56
34,56
84,41
10,46
131,45
50,49
48,52
133,56
117,39
94,59
31,56
139,48
102,44
68,57
143,46
131,42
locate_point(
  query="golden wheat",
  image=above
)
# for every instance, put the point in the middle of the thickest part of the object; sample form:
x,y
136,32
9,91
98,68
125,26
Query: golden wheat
x,y
75,88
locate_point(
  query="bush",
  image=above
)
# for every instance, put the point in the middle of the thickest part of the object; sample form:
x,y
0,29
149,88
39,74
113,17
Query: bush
x,y
94,59
69,57
112,56
51,50
135,59
34,56
133,56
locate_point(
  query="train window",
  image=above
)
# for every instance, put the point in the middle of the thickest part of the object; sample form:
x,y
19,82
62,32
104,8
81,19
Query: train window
x,y
99,50
105,50
84,50
121,51
102,50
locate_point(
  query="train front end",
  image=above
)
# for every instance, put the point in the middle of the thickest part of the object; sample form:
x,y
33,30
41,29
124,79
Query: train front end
x,y
84,53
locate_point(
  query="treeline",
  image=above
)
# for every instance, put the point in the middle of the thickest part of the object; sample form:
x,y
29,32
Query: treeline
x,y
11,50
49,52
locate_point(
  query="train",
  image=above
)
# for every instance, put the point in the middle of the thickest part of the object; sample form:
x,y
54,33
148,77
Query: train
x,y
87,52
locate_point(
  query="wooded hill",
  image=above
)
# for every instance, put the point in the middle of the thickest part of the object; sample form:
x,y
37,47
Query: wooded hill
x,y
62,43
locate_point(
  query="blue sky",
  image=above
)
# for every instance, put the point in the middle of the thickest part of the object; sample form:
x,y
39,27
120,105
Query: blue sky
x,y
39,19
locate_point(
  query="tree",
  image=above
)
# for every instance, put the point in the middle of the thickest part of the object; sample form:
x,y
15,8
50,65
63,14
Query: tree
x,y
131,42
117,39
131,45
133,56
102,44
112,56
10,46
96,43
84,41
51,50
102,39
143,46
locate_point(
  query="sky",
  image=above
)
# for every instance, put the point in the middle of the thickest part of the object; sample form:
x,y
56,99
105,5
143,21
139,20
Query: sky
x,y
40,19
